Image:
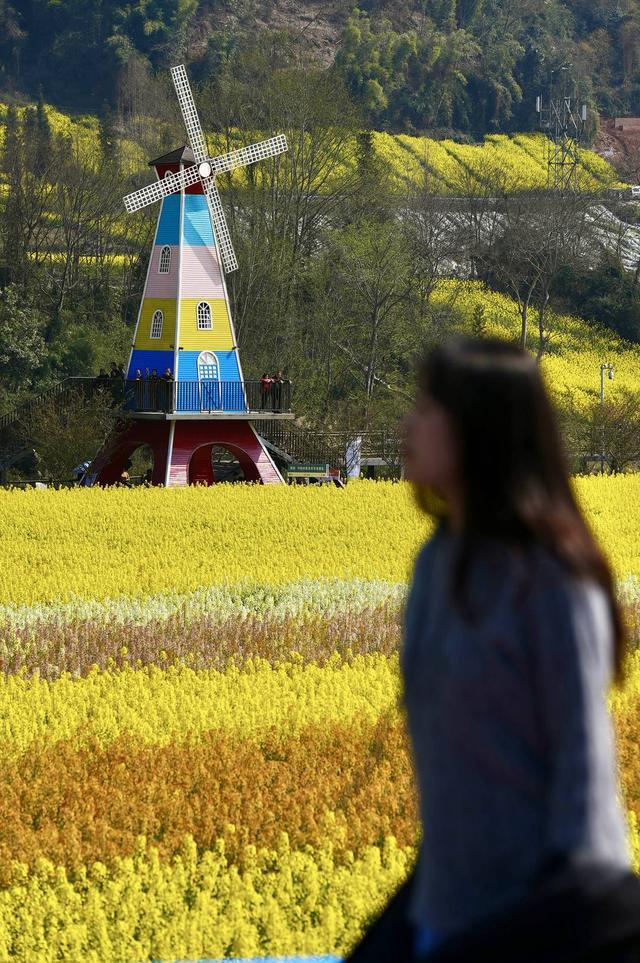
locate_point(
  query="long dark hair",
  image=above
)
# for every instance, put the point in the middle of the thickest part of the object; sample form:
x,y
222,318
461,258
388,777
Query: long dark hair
x,y
514,475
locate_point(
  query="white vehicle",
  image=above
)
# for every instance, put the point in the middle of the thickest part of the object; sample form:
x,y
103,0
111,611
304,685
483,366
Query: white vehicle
x,y
635,191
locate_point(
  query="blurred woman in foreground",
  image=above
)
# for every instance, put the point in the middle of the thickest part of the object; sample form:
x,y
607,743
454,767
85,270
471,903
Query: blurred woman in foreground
x,y
512,638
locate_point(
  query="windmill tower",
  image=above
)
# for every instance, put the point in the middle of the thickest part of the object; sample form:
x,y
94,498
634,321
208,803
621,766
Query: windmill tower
x,y
185,326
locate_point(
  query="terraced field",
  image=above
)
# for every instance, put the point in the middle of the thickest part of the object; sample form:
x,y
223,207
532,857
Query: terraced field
x,y
452,167
202,743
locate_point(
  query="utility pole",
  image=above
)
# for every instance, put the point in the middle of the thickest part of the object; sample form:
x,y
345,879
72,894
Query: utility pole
x,y
603,368
563,120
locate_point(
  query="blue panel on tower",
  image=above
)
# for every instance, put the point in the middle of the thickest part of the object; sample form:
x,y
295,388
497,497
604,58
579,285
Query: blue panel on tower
x,y
169,223
227,394
227,360
150,359
148,394
197,222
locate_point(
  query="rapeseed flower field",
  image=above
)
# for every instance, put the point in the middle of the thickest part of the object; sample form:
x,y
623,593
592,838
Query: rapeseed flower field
x,y
519,161
202,743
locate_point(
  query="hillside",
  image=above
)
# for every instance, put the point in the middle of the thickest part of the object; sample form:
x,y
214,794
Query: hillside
x,y
576,347
517,161
348,265
472,66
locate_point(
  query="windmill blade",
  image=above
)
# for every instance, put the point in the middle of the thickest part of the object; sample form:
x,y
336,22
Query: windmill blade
x,y
189,113
170,184
223,237
249,155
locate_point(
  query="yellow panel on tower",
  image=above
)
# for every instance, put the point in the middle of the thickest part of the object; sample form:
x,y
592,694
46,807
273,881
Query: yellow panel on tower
x,y
157,327
205,325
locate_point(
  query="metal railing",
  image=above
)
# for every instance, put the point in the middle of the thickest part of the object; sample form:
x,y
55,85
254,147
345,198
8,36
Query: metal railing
x,y
157,396
205,396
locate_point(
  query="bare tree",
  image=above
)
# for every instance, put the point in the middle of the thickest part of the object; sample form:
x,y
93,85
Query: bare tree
x,y
65,436
537,234
375,271
595,432
614,428
278,211
146,115
434,234
86,205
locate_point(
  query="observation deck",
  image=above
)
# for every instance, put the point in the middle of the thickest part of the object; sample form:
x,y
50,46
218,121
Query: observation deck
x,y
200,400
173,400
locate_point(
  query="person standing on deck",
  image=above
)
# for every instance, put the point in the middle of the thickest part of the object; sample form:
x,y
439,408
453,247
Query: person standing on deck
x,y
265,390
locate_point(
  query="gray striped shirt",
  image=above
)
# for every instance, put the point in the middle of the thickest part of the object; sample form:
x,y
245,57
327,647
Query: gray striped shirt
x,y
512,740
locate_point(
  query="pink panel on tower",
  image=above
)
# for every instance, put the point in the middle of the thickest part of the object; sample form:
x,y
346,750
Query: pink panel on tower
x,y
163,285
200,273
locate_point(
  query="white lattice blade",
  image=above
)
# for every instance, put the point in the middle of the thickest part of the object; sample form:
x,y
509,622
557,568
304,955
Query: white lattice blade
x,y
249,155
223,237
170,184
189,113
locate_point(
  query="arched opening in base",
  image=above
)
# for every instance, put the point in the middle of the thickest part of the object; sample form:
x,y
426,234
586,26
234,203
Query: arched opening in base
x,y
138,448
226,466
140,465
211,464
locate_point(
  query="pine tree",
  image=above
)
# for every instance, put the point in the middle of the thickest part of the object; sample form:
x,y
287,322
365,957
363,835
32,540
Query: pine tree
x,y
37,138
12,145
478,321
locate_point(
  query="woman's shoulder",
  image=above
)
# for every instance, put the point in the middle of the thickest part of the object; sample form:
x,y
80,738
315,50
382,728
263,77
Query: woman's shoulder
x,y
427,553
558,598
550,574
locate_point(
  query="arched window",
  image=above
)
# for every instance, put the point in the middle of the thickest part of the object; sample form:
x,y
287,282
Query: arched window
x,y
204,316
156,324
208,366
209,381
170,176
164,264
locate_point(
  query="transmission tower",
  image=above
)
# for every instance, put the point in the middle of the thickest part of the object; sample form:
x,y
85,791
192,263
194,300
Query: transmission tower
x,y
563,120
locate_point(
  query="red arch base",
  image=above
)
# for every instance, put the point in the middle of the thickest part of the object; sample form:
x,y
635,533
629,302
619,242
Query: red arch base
x,y
186,447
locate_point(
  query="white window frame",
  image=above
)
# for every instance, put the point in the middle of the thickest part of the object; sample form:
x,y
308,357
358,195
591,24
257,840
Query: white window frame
x,y
156,318
164,261
204,318
210,389
208,358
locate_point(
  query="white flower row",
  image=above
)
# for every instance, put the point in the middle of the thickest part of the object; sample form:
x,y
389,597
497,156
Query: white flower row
x,y
221,602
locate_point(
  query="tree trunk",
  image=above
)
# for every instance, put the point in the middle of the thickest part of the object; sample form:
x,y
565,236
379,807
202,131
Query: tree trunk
x,y
542,342
524,316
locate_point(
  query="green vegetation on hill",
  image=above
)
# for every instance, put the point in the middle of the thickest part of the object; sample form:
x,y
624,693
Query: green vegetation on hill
x,y
411,65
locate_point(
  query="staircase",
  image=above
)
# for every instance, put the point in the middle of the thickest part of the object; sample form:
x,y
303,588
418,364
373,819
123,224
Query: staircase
x,y
290,444
14,441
